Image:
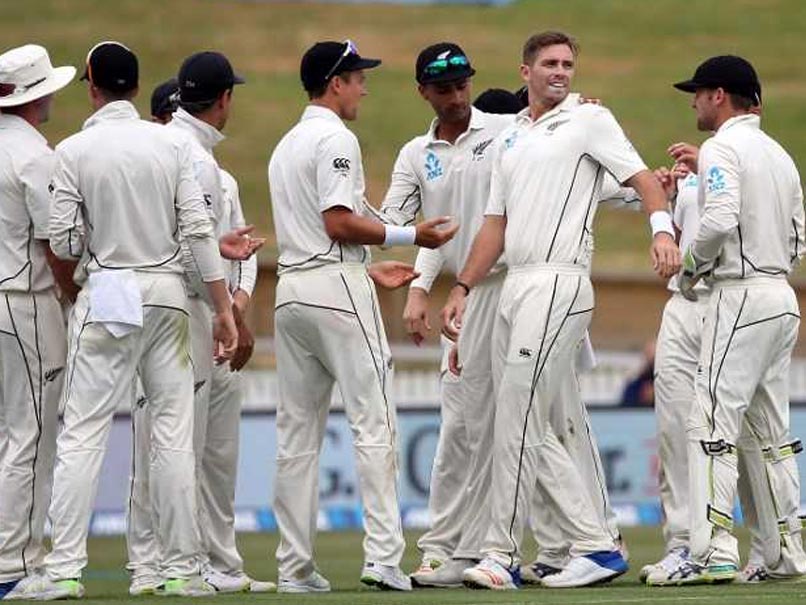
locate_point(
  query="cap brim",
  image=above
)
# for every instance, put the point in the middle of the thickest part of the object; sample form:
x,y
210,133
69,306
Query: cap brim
x,y
363,63
449,76
687,86
236,79
58,79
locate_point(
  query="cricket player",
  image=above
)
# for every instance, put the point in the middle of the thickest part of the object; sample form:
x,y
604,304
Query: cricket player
x,y
32,333
751,232
137,192
164,101
328,330
546,300
202,112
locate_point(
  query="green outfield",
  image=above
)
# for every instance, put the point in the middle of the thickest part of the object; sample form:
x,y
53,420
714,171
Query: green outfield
x,y
631,51
339,558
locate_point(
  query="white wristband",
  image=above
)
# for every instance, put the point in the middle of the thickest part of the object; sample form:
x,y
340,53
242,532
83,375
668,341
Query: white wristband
x,y
399,236
661,222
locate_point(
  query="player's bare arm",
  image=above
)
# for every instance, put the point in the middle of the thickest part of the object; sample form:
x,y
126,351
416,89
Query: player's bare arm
x,y
664,251
415,315
488,245
225,334
343,225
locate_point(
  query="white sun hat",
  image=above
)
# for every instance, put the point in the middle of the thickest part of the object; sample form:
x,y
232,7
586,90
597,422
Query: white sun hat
x,y
26,75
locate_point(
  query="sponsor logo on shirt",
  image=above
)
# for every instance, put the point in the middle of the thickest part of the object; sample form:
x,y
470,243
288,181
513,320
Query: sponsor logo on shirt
x,y
478,150
341,166
433,167
525,353
509,142
716,180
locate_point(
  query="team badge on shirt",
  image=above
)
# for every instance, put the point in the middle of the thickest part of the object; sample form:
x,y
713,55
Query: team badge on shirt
x,y
478,150
433,167
341,166
716,180
509,142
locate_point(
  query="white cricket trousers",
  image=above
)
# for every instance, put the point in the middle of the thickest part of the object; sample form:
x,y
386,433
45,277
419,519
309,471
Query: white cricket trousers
x,y
677,354
458,502
101,370
32,356
743,379
570,424
217,408
543,314
328,331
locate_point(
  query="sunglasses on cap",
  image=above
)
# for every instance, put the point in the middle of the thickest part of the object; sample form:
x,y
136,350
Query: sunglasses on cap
x,y
349,49
440,66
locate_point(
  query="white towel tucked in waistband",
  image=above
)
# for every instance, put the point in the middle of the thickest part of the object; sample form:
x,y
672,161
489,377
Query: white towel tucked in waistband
x,y
115,301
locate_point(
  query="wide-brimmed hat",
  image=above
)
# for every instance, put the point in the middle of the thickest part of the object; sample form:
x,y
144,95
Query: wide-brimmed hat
x,y
26,75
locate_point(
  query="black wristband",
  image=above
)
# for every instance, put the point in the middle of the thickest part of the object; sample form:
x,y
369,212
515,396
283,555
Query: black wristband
x,y
462,285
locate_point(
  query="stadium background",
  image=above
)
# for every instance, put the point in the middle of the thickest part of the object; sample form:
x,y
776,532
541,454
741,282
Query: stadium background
x,y
631,51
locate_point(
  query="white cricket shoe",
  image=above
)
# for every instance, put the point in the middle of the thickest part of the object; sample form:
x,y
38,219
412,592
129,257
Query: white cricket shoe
x,y
490,574
666,565
428,564
313,582
41,588
595,568
194,586
752,574
690,572
385,577
447,575
536,571
223,582
145,585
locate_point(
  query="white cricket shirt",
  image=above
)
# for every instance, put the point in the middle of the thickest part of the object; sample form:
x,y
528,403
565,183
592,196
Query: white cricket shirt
x,y
315,166
26,164
751,204
123,190
547,180
446,179
243,274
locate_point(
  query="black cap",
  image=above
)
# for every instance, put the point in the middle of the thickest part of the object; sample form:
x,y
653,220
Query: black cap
x,y
324,60
204,76
523,96
165,98
442,62
112,66
498,100
731,73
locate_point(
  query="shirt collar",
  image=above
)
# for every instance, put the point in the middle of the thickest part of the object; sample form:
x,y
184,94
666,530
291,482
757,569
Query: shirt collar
x,y
748,119
318,111
116,110
570,102
206,134
478,120
13,122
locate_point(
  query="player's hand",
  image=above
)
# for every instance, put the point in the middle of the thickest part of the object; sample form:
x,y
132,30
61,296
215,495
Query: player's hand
x,y
415,315
452,313
686,154
391,274
665,255
246,342
667,181
429,235
680,171
688,277
239,244
225,336
453,361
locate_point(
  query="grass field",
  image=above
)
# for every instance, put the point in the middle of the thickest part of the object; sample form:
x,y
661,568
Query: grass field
x,y
631,51
339,558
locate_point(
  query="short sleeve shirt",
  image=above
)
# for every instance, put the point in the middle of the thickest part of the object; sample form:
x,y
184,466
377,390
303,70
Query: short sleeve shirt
x,y
316,166
547,180
26,165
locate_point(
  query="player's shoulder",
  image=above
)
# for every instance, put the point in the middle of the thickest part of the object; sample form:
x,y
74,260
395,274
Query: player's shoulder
x,y
493,123
227,180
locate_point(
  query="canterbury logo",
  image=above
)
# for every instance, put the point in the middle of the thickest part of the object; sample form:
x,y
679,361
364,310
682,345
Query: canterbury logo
x,y
142,400
525,353
341,165
51,375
